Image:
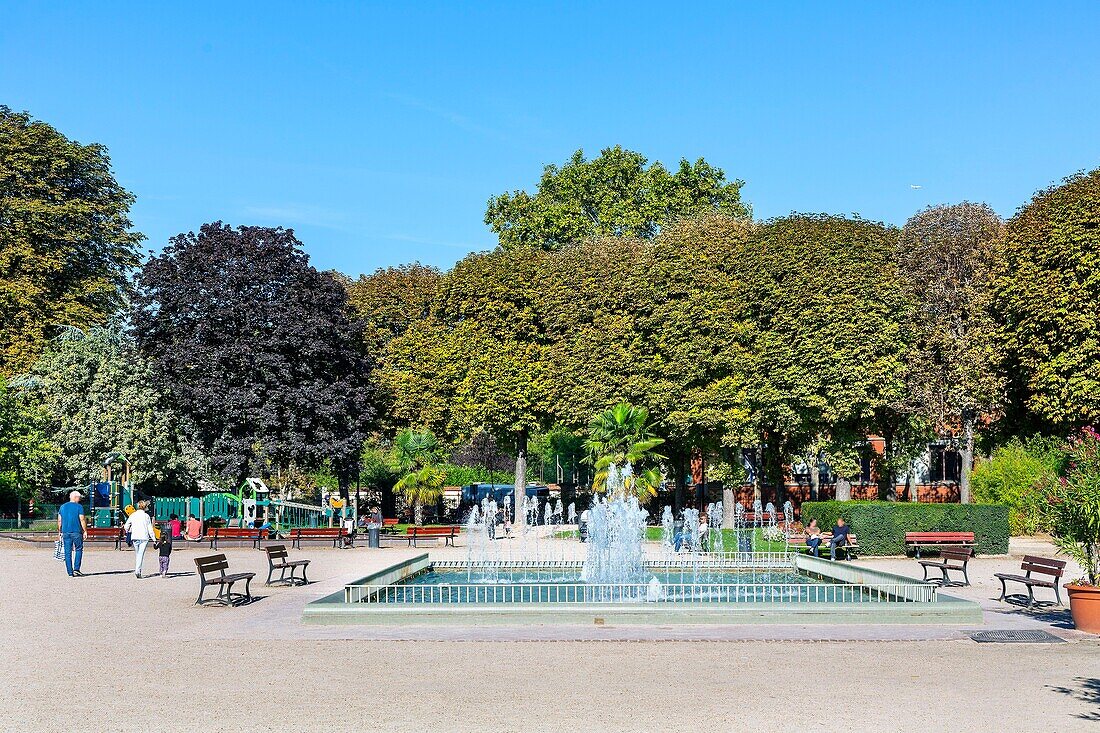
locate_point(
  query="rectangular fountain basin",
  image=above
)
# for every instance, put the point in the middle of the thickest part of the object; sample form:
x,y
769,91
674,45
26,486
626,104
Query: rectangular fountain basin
x,y
757,588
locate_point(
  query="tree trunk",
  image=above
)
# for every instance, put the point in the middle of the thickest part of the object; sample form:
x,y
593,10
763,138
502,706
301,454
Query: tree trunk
x,y
729,496
758,474
418,514
520,492
967,456
680,481
887,486
815,479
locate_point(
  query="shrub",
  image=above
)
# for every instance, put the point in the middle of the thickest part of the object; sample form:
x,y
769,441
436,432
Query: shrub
x,y
1013,475
880,526
1073,505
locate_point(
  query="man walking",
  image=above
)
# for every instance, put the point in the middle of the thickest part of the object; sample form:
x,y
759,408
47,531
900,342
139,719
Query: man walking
x,y
73,530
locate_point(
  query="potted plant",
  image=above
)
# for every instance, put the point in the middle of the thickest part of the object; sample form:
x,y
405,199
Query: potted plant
x,y
1073,507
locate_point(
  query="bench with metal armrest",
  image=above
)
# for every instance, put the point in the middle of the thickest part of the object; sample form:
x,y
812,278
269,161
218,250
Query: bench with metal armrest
x,y
212,571
279,559
1033,565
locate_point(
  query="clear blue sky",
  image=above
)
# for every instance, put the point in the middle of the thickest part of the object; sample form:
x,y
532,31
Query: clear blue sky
x,y
378,131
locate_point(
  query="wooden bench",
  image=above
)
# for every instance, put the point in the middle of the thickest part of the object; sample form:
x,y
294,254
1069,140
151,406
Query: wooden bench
x,y
917,540
211,564
797,542
951,558
235,533
1049,567
329,534
765,517
107,534
278,559
389,525
448,534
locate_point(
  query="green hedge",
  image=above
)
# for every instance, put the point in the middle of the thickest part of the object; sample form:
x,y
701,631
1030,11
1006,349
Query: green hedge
x,y
880,526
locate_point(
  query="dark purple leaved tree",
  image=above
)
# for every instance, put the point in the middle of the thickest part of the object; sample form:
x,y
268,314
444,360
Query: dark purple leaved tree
x,y
260,350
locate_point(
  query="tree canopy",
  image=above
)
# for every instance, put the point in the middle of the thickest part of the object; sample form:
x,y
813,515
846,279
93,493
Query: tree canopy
x,y
100,396
614,194
946,256
257,348
1045,297
66,245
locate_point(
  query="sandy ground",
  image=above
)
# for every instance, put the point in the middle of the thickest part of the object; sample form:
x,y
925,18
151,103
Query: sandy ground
x,y
110,652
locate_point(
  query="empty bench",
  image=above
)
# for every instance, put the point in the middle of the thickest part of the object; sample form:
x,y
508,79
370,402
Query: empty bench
x,y
212,571
106,534
389,525
1032,565
279,559
951,558
938,540
328,534
214,534
447,534
797,542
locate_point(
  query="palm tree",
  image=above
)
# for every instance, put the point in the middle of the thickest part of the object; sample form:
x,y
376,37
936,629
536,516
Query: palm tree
x,y
620,435
418,454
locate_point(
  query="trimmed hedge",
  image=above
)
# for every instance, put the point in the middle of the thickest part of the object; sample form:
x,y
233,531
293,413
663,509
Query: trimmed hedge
x,y
880,526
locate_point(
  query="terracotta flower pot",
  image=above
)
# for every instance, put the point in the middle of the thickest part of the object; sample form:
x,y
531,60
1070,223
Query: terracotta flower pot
x,y
1084,605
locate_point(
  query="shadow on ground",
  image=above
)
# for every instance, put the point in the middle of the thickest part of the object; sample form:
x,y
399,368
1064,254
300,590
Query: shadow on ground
x,y
1087,690
1059,618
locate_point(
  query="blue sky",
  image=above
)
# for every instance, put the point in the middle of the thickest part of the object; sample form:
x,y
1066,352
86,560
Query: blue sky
x,y
379,130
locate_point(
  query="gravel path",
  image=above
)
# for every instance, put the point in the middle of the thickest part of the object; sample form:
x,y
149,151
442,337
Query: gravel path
x,y
71,661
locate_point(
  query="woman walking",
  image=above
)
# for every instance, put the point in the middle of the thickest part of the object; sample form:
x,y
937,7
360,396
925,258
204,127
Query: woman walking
x,y
140,527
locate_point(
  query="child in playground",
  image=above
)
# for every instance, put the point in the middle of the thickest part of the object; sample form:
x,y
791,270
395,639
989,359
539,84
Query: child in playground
x,y
164,544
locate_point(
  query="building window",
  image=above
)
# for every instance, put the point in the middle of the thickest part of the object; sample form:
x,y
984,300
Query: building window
x,y
945,464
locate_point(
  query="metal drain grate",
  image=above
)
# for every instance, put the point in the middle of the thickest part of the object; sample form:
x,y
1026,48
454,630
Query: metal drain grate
x,y
1028,636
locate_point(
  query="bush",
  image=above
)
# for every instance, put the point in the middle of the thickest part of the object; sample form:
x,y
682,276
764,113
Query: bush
x,y
1012,476
880,526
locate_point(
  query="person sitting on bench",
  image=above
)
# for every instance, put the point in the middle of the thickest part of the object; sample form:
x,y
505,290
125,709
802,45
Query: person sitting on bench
x,y
194,529
839,538
813,538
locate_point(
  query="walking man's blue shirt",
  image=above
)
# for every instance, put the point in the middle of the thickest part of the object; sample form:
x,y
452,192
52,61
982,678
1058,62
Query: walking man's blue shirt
x,y
70,514
69,517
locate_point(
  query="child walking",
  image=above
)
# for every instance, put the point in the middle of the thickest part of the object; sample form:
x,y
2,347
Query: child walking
x,y
165,547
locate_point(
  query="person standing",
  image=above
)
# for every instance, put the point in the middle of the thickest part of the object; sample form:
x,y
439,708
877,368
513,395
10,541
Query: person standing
x,y
140,526
165,547
72,529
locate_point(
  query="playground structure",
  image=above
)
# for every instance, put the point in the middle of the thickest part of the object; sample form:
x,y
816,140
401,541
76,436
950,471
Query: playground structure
x,y
114,491
253,501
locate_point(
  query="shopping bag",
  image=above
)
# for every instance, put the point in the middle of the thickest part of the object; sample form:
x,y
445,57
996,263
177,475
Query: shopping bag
x,y
59,551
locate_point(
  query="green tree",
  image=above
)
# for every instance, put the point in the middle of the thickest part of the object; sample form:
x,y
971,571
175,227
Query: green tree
x,y
621,435
827,342
1045,297
614,194
27,456
391,300
66,249
946,255
418,454
100,396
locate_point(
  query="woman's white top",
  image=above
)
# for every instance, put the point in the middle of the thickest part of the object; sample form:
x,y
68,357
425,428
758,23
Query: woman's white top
x,y
140,526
